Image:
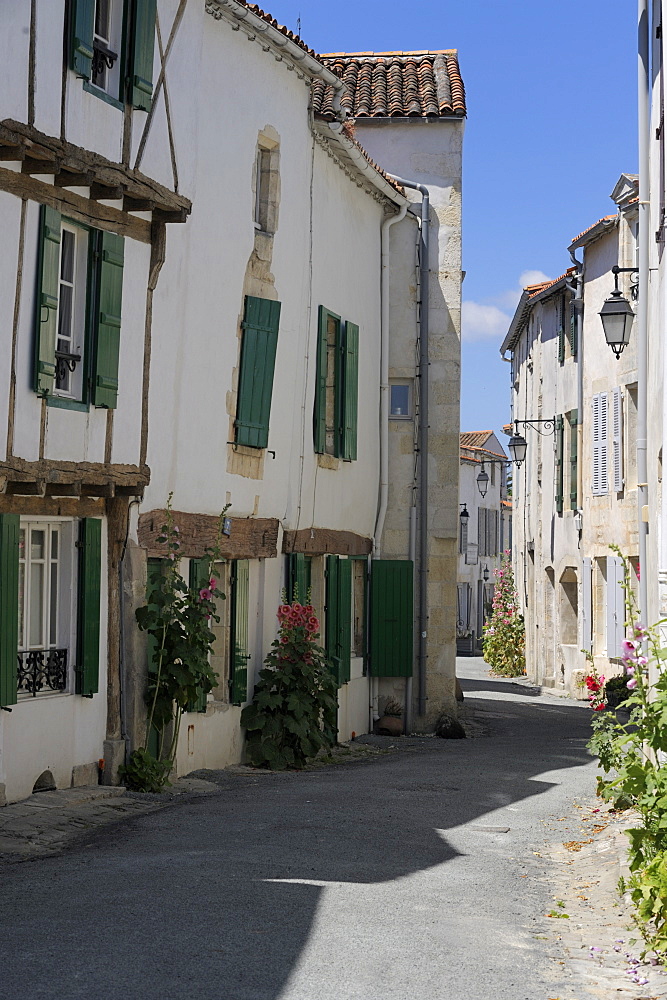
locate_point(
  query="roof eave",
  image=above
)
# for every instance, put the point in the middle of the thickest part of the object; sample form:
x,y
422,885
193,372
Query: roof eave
x,y
353,154
594,233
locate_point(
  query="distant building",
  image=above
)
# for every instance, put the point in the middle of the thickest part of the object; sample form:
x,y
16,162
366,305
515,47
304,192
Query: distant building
x,y
484,533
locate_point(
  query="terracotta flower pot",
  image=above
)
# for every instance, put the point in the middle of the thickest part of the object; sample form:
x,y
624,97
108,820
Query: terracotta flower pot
x,y
389,725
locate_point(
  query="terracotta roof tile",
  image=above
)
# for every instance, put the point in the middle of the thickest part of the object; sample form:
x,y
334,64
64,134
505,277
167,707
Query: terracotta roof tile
x,y
257,10
394,85
543,285
474,439
605,218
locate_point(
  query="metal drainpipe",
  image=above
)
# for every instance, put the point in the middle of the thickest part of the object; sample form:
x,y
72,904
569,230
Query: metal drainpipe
x,y
643,109
423,433
579,324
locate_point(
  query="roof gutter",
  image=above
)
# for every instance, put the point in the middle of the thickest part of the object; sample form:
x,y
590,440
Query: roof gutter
x,y
360,162
312,65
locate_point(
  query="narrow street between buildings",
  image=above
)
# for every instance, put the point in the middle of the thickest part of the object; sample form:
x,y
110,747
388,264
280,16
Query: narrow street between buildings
x,y
425,872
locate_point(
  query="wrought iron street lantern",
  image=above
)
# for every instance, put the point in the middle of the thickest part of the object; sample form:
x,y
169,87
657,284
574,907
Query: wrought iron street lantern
x,y
617,316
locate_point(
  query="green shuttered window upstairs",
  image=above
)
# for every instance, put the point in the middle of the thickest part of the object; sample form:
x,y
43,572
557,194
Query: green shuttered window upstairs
x,y
336,387
258,357
137,44
100,321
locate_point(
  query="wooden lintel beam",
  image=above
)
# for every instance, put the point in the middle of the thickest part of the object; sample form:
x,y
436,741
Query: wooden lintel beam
x,y
11,152
131,204
68,178
63,489
34,488
105,192
32,165
161,215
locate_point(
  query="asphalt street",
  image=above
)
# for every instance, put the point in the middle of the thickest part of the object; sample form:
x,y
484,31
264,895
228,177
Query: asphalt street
x,y
400,878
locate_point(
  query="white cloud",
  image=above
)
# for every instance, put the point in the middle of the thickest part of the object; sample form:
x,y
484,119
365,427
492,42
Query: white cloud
x,y
490,319
480,322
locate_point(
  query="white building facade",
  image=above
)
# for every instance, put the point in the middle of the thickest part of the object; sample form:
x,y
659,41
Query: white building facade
x,y
191,317
576,492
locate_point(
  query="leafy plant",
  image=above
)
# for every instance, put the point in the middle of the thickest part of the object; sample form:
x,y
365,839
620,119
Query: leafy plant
x,y
632,756
177,619
504,641
293,709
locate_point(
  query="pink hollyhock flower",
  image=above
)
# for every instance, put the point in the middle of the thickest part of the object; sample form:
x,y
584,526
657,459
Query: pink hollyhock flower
x,y
640,631
284,639
309,609
212,582
631,684
205,594
177,530
629,669
297,607
629,649
642,661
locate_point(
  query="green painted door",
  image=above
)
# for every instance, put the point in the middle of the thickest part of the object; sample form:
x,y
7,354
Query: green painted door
x,y
391,618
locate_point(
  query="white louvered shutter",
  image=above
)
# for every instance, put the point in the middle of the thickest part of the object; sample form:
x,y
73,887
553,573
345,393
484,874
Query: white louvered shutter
x,y
595,484
604,443
587,605
617,437
615,606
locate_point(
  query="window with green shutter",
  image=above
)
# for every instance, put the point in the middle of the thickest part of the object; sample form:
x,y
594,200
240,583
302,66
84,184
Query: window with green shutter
x,y
9,608
112,45
78,314
198,578
88,623
298,577
573,419
391,618
240,611
559,463
573,328
561,329
349,390
338,609
336,387
109,302
258,357
143,45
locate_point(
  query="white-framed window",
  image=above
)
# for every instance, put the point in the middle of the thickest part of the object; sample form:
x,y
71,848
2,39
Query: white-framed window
x,y
46,606
400,400
107,42
71,321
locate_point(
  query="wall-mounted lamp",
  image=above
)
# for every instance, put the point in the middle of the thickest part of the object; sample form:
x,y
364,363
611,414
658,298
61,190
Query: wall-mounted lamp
x,y
483,481
518,444
485,574
617,315
464,515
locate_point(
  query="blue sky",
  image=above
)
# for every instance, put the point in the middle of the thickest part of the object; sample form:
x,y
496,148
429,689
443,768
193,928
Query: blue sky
x,y
551,93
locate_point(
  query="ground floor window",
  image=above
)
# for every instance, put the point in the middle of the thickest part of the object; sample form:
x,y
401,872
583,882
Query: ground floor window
x,y
46,615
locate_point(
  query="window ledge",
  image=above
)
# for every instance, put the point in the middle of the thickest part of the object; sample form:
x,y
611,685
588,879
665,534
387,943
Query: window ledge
x,y
103,96
326,461
64,403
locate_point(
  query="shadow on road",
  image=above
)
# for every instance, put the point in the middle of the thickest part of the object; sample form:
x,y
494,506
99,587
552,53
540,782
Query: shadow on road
x,y
468,684
200,897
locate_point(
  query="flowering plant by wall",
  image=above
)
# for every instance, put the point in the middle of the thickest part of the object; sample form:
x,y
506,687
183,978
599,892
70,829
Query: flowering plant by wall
x,y
293,711
633,756
504,636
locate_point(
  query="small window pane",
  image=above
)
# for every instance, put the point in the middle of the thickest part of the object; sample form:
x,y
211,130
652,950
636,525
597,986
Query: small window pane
x,y
21,603
36,603
67,256
400,401
102,19
54,545
37,540
53,610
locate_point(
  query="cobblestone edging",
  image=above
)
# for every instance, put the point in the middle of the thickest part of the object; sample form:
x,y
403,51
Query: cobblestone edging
x,y
48,821
592,944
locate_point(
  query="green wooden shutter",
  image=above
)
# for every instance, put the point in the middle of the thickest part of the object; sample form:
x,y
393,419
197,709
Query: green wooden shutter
x,y
47,300
198,578
573,460
81,47
298,577
105,386
320,408
143,44
350,392
559,463
332,624
561,329
258,358
88,624
391,618
9,607
240,587
573,328
338,631
344,618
